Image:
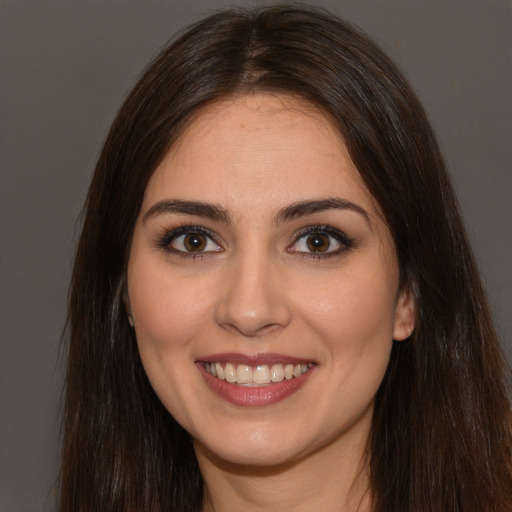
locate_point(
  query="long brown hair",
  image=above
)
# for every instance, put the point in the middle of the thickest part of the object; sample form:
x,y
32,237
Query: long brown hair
x,y
441,436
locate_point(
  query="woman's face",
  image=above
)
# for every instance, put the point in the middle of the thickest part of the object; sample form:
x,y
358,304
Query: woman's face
x,y
263,284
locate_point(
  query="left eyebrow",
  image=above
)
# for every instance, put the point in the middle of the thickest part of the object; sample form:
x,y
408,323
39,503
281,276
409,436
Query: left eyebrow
x,y
303,208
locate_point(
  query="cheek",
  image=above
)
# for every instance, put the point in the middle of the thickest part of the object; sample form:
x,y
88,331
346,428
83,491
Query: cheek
x,y
166,316
168,312
354,317
352,308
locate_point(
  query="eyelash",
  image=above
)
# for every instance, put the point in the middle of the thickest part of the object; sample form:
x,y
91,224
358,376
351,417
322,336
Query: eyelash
x,y
169,236
340,237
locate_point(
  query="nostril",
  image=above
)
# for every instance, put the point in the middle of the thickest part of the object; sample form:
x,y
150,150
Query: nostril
x,y
253,301
250,331
252,323
267,329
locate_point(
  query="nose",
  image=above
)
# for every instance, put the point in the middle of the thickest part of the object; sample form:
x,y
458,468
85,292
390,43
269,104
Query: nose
x,y
254,298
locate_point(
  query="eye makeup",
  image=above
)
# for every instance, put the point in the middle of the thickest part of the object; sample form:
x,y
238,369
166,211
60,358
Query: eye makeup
x,y
320,242
315,242
188,241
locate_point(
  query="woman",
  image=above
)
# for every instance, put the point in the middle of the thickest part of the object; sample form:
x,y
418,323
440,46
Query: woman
x,y
274,304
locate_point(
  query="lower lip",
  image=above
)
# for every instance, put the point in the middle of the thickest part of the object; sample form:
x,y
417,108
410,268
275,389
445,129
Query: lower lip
x,y
254,396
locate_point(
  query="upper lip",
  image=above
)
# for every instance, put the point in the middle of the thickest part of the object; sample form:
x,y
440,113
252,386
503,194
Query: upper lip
x,y
253,359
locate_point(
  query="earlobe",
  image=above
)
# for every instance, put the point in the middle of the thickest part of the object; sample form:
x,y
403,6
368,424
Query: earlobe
x,y
405,314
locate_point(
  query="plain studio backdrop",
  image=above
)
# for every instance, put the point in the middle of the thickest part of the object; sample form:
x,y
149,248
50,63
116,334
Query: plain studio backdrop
x,y
66,66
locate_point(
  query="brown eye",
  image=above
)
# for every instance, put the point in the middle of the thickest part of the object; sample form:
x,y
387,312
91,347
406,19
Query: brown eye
x,y
318,242
194,242
191,241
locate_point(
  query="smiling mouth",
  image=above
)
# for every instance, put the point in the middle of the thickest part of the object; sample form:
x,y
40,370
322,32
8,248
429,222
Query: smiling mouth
x,y
256,376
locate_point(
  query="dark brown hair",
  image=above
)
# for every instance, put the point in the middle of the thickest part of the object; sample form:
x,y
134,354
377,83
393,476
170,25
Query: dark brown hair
x,y
441,435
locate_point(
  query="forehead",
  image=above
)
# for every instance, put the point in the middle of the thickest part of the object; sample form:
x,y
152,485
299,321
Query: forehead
x,y
271,146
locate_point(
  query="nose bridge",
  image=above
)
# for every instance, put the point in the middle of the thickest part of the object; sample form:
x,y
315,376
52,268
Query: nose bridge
x,y
253,299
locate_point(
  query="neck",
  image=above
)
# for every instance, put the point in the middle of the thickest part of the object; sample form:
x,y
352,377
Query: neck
x,y
332,479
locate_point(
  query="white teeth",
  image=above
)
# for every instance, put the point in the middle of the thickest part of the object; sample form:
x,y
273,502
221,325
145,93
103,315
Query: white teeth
x,y
243,374
277,373
219,370
230,373
260,375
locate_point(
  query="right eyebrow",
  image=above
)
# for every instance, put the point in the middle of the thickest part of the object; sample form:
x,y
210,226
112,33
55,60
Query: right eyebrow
x,y
197,208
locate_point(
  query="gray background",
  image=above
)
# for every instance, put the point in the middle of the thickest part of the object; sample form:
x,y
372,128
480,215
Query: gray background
x,y
65,67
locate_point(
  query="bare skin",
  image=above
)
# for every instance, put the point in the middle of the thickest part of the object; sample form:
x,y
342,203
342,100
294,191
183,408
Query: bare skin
x,y
258,247
317,482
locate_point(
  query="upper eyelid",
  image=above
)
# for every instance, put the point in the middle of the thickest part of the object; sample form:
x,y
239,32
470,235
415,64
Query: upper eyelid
x,y
169,234
189,228
329,230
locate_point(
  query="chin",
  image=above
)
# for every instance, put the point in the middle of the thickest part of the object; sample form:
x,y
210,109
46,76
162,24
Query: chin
x,y
258,449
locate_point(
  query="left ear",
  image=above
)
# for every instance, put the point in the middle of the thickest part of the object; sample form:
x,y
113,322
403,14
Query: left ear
x,y
405,314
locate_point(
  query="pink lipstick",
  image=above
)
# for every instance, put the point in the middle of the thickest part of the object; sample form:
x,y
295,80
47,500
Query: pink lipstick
x,y
254,380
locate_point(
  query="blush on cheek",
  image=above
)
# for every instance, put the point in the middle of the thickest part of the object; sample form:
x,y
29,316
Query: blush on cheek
x,y
166,310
